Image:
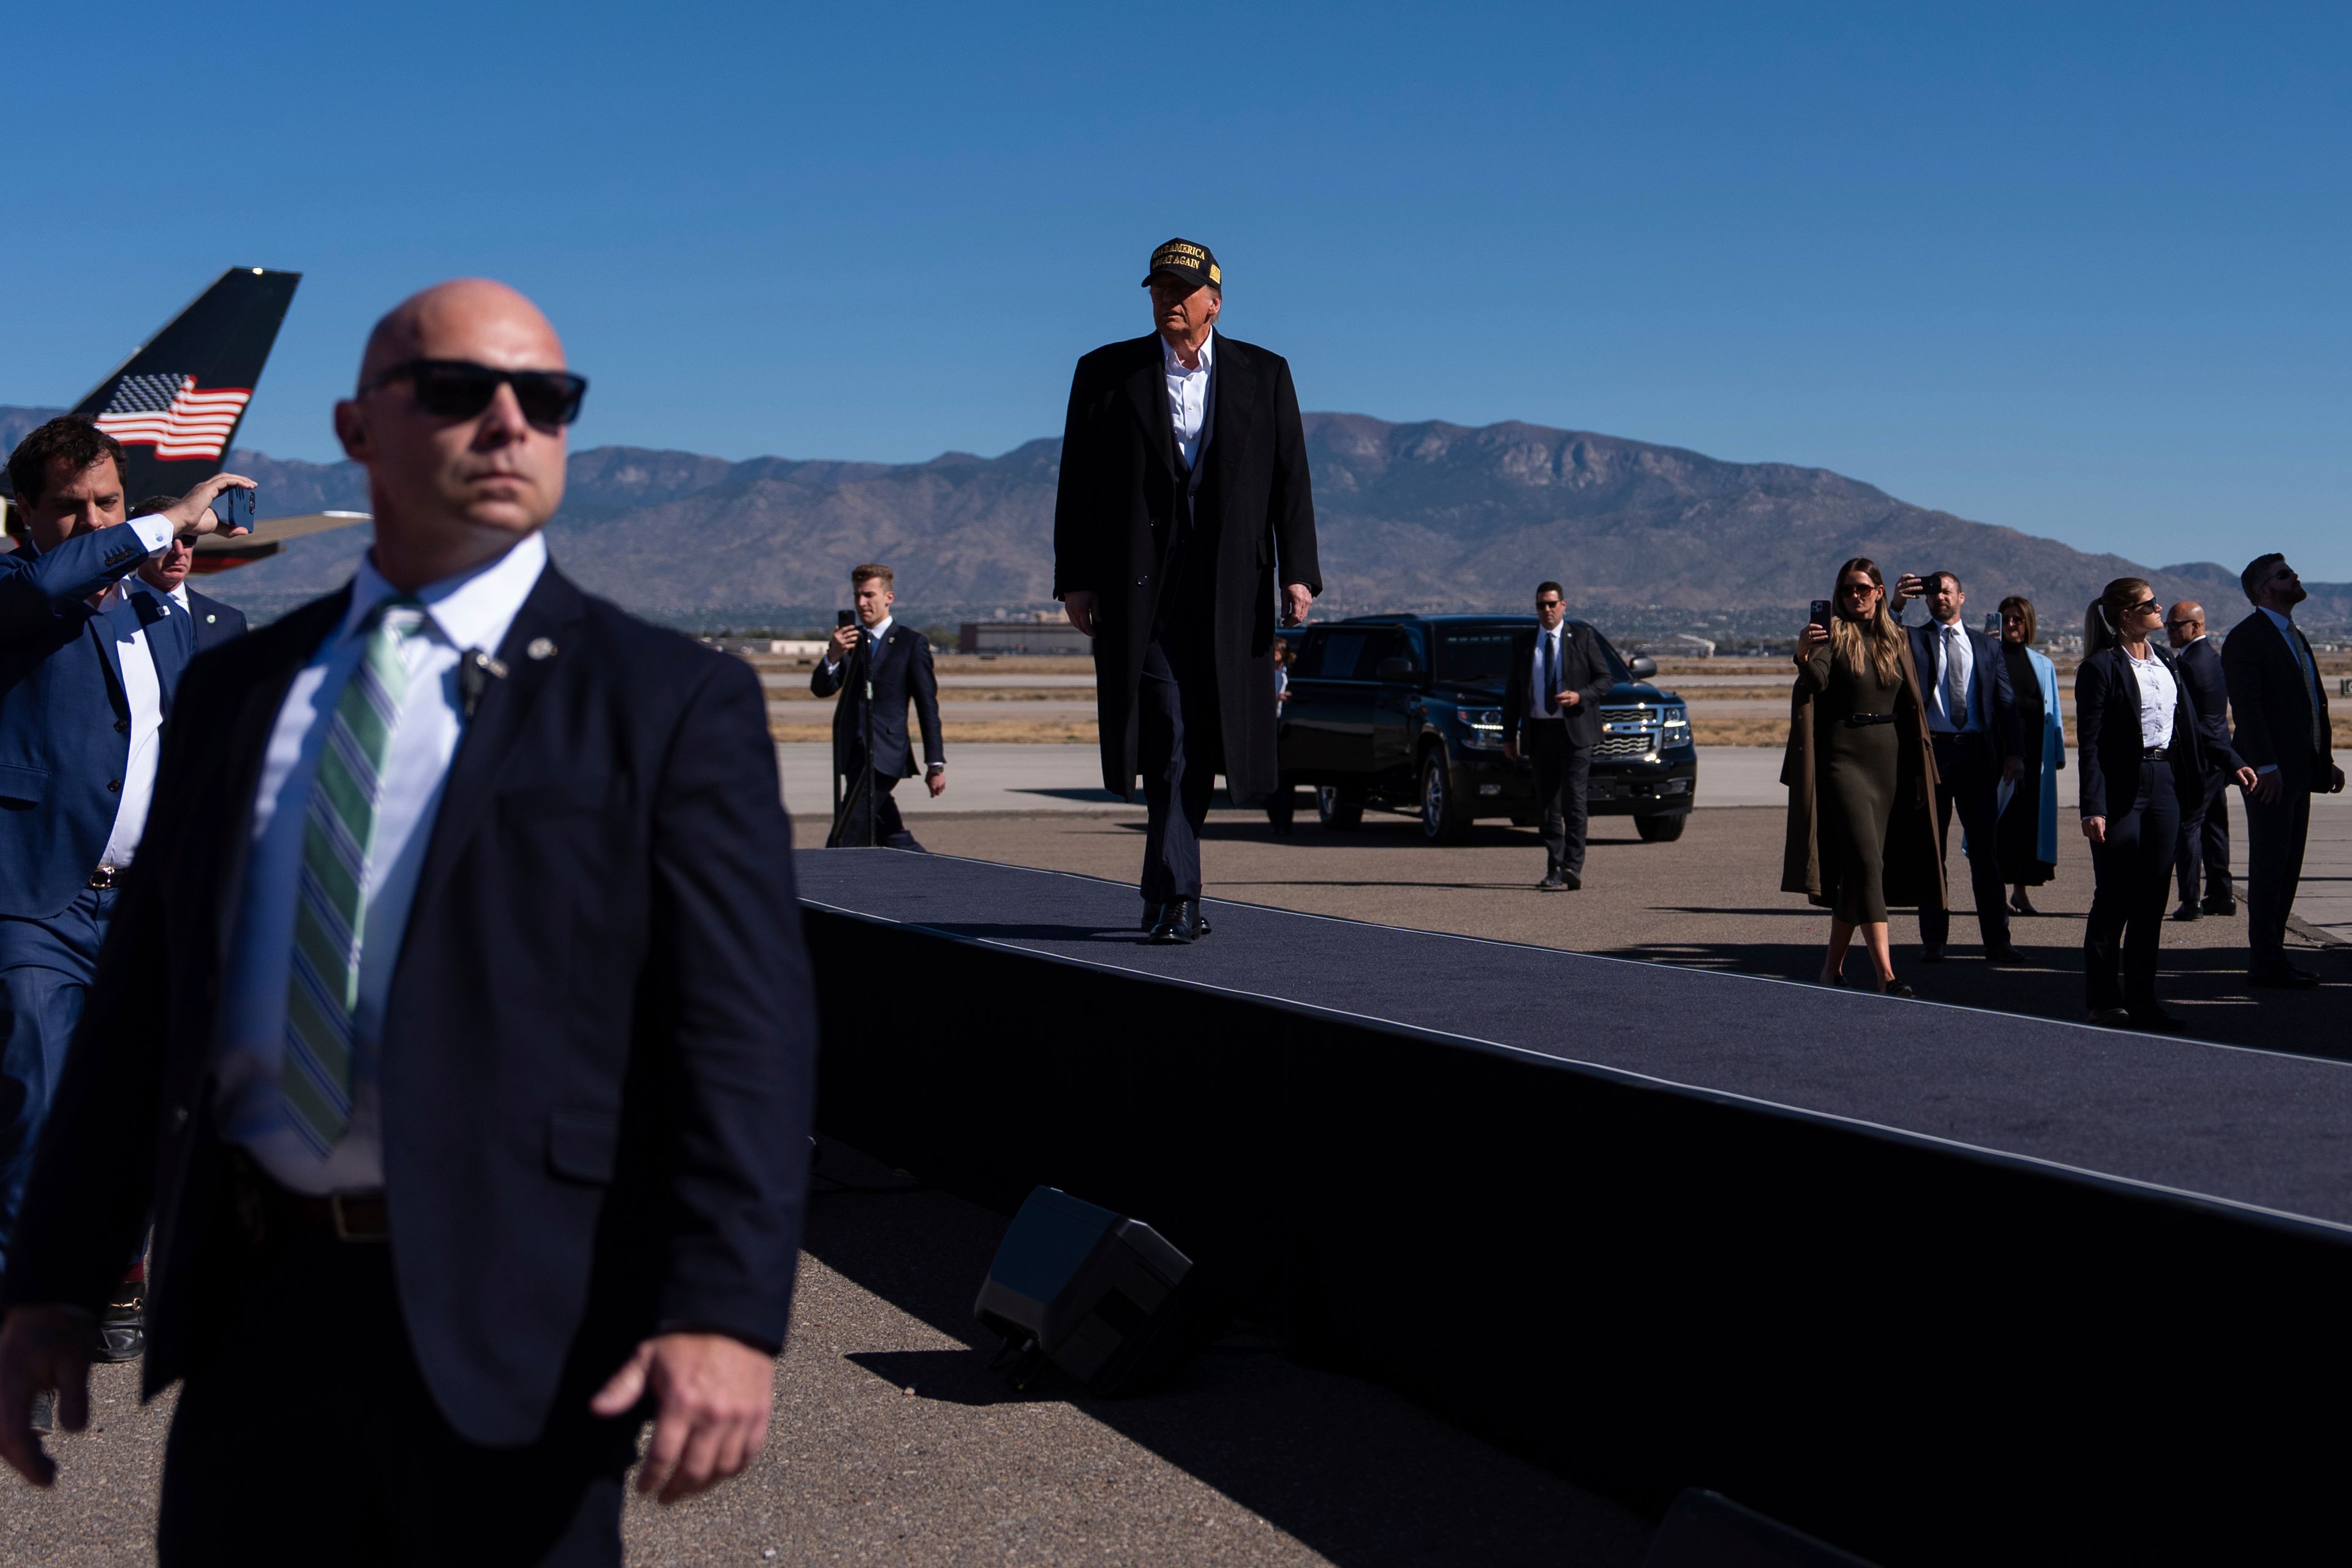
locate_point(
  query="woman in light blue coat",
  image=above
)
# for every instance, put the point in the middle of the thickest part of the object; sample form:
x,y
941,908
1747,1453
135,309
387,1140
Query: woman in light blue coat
x,y
2029,808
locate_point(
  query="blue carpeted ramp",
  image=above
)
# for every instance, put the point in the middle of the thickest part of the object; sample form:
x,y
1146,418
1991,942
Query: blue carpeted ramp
x,y
1936,1284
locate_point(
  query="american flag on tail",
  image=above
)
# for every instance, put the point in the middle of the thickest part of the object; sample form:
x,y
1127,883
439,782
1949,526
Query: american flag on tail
x,y
173,414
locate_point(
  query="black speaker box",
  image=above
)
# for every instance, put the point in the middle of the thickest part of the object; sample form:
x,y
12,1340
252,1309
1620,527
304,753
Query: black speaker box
x,y
1102,1297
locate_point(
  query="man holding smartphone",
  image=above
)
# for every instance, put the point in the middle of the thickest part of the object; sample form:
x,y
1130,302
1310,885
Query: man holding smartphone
x,y
870,647
1978,741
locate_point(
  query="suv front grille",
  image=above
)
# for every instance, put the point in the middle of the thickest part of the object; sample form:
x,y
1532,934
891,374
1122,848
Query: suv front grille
x,y
1626,745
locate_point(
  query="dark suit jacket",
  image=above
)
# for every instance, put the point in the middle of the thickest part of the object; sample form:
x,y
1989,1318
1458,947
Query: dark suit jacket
x,y
216,623
903,670
1583,669
2199,667
1989,675
2271,704
598,1050
2106,724
64,720
1120,500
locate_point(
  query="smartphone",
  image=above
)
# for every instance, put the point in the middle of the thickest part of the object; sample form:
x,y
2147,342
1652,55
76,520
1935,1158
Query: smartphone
x,y
1820,615
844,617
1992,624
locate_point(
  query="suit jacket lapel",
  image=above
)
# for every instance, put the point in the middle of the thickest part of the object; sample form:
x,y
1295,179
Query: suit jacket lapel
x,y
552,610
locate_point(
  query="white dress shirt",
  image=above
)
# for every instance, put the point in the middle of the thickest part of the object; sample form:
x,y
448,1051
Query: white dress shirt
x,y
142,688
1188,394
1539,687
2158,693
470,611
1956,665
832,665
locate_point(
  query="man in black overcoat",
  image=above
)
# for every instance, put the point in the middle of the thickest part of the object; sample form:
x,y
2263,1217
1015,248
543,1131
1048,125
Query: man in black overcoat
x,y
1183,504
2281,707
899,659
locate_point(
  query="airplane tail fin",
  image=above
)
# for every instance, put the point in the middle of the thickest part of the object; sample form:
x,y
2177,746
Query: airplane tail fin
x,y
176,403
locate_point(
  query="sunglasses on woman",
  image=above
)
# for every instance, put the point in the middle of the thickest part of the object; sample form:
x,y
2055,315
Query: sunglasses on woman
x,y
460,389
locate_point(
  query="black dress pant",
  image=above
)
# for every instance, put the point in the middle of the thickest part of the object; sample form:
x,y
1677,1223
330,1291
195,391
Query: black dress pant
x,y
1969,784
2275,839
2204,849
1563,770
2134,867
1180,739
305,1435
890,827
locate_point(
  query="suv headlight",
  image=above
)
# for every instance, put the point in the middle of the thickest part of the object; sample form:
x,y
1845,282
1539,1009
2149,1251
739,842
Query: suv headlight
x,y
1482,728
1675,719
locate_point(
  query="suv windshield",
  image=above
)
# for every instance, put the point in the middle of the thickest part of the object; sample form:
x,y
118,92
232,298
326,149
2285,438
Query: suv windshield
x,y
1481,655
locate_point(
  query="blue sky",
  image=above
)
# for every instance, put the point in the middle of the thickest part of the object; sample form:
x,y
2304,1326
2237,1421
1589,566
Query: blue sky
x,y
2081,269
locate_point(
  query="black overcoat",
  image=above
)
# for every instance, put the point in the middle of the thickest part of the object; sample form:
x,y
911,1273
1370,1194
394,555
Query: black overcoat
x,y
1116,509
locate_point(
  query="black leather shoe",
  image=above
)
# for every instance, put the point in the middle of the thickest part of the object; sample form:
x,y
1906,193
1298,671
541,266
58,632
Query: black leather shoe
x,y
122,1332
2221,908
2157,1021
1931,955
1180,924
2003,954
1552,883
1897,988
1570,880
2282,977
2112,1017
2188,913
1152,915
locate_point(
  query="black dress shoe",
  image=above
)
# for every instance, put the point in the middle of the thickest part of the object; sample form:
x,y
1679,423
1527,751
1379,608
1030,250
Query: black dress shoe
x,y
2003,954
1552,883
1931,955
2188,913
1897,988
2112,1017
2282,977
2157,1021
121,1331
2224,908
1570,880
1180,924
1152,915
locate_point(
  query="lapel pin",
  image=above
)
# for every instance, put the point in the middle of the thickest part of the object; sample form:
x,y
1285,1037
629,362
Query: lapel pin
x,y
541,647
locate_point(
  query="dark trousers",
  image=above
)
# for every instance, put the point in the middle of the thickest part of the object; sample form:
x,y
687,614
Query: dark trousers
x,y
890,827
1563,769
1178,735
2203,852
2274,837
305,1435
1969,784
2133,868
44,971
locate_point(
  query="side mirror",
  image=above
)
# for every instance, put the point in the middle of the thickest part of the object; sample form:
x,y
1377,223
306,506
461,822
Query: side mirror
x,y
1643,666
1396,666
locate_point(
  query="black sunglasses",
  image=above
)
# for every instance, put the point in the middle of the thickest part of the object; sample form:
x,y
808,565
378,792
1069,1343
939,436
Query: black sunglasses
x,y
2143,604
460,389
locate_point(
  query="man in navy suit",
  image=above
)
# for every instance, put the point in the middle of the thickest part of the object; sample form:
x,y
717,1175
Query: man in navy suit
x,y
1972,719
2204,844
90,662
213,622
900,657
457,1010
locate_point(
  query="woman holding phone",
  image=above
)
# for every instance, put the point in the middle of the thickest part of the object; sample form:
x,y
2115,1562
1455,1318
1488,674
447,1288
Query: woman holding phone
x,y
2138,759
1861,775
2028,840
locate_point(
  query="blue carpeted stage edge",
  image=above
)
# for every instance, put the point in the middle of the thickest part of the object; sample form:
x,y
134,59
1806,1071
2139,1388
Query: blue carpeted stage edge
x,y
1936,1284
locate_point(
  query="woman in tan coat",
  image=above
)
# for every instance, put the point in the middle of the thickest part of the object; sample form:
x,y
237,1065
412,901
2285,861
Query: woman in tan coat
x,y
1861,775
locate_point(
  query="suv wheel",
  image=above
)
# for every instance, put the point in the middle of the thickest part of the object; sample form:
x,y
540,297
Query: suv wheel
x,y
1338,810
1442,820
1661,829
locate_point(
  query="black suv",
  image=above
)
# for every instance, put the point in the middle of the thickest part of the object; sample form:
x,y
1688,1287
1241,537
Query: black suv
x,y
1405,712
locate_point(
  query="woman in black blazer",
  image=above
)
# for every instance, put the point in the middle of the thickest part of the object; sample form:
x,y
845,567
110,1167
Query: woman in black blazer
x,y
2138,759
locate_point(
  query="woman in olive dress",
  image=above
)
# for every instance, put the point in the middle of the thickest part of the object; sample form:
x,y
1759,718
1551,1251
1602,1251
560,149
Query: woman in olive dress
x,y
2028,840
1860,775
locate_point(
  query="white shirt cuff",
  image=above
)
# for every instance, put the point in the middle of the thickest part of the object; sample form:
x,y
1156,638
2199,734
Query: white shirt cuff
x,y
831,665
154,529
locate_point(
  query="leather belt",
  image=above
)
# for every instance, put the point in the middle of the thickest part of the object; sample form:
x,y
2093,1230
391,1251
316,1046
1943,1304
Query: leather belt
x,y
106,876
1864,720
270,1211
2155,754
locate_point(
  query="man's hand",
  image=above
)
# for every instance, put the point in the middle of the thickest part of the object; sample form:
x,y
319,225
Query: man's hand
x,y
1296,600
711,1399
1079,605
2265,788
193,514
1571,698
843,642
2094,829
2246,777
2337,786
1906,587
2013,769
41,1348
938,782
1510,751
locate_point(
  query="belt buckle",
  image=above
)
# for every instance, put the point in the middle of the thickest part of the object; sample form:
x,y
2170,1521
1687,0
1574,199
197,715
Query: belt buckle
x,y
344,1231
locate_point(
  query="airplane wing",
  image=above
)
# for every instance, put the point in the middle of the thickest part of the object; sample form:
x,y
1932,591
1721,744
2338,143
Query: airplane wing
x,y
214,554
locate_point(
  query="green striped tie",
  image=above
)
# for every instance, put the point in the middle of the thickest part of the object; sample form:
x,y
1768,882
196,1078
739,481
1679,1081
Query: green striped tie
x,y
322,991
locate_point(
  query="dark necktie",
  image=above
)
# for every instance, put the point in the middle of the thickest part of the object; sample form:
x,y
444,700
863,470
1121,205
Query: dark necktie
x,y
1552,672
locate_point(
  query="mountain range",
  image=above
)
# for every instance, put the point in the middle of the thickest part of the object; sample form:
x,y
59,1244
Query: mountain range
x,y
1421,516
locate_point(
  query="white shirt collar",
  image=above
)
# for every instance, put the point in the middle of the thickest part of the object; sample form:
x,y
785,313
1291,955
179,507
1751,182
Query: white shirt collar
x,y
2282,622
472,609
180,595
1176,366
877,630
